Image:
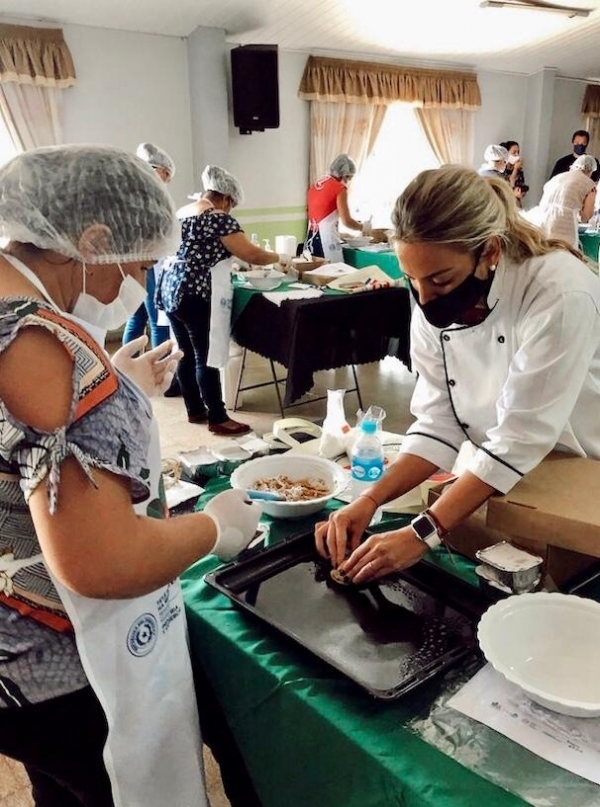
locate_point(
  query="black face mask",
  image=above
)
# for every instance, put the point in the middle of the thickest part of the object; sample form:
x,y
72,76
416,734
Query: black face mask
x,y
579,149
442,311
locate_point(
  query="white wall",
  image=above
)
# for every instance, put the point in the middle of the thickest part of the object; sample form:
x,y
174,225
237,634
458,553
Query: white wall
x,y
566,118
502,113
130,88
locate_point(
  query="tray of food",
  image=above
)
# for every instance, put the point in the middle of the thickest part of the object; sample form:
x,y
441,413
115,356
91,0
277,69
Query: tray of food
x,y
388,637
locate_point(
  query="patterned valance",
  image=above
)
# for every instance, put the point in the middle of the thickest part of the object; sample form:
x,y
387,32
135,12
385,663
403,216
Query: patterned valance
x,y
341,80
37,56
591,101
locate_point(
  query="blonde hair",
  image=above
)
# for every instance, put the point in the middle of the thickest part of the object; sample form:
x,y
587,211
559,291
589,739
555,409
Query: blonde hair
x,y
455,206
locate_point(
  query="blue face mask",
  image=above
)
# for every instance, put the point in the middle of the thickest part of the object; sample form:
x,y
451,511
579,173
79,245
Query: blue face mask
x,y
579,149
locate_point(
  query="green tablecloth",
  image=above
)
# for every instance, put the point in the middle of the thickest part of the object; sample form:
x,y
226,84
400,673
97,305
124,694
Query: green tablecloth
x,y
590,243
310,737
386,261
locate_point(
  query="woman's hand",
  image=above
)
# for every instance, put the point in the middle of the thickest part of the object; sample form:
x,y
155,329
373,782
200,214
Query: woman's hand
x,y
152,371
383,554
342,533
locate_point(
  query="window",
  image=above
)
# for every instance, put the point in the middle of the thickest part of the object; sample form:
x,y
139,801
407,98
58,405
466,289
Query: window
x,y
7,147
401,152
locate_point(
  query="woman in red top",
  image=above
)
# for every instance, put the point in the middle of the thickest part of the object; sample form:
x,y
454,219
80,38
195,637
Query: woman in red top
x,y
327,205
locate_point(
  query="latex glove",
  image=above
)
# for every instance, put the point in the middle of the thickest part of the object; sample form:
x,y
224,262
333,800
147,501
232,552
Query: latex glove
x,y
284,262
367,226
153,370
236,519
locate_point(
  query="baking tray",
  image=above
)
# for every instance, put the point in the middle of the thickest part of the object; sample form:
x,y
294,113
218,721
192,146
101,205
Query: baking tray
x,y
389,637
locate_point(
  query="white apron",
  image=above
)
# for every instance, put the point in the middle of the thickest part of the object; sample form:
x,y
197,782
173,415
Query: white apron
x,y
329,230
221,300
135,655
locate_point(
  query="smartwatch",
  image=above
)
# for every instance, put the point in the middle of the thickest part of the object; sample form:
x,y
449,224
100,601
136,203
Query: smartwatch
x,y
426,529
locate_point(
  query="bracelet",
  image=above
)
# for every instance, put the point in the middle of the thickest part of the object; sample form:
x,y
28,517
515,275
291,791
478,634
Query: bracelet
x,y
368,496
439,526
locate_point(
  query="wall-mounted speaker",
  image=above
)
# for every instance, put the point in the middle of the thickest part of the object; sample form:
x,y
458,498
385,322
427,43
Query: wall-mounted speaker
x,y
255,87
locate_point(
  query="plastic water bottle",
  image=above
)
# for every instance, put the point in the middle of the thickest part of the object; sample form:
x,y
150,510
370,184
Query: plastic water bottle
x,y
254,239
367,462
267,245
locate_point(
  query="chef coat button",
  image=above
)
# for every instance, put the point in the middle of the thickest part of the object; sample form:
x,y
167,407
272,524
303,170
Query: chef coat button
x,y
452,382
446,338
501,339
465,426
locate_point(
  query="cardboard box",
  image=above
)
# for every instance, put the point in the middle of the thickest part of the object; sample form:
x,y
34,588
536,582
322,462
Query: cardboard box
x,y
302,265
553,511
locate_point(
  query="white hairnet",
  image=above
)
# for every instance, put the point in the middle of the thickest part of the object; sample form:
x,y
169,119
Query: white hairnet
x,y
156,157
218,179
342,166
493,153
51,196
584,163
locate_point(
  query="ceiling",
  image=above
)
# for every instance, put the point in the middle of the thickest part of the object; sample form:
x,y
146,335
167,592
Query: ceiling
x,y
438,32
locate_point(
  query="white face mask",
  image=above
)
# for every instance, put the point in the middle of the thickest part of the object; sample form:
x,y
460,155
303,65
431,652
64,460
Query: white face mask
x,y
514,158
110,316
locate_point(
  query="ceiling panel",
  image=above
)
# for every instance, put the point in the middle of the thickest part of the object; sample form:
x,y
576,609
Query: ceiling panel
x,y
442,32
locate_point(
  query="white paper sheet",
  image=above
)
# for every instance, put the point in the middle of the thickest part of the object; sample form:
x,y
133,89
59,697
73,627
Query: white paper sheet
x,y
572,743
179,492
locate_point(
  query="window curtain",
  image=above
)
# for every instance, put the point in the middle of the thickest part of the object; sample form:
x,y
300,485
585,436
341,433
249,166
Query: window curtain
x,y
342,129
590,110
35,67
450,133
362,91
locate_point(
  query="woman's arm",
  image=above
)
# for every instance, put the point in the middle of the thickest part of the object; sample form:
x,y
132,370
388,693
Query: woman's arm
x,y
94,543
242,248
344,211
587,208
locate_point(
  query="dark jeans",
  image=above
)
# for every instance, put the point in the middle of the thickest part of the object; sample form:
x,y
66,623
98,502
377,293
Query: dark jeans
x,y
146,314
200,384
60,743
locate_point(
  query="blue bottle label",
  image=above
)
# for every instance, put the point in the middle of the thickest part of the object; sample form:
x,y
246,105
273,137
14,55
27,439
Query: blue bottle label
x,y
367,470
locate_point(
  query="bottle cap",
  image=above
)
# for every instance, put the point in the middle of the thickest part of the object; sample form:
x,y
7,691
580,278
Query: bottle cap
x,y
368,426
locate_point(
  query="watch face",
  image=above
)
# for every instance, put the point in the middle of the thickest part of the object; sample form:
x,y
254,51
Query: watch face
x,y
423,527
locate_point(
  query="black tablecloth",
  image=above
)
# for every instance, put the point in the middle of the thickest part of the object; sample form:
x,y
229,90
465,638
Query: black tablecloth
x,y
321,334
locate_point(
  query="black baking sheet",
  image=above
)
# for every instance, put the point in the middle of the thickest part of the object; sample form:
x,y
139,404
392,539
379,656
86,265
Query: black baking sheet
x,y
388,637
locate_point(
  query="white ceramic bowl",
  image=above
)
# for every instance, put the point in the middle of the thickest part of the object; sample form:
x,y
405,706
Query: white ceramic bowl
x,y
264,279
547,644
297,467
359,241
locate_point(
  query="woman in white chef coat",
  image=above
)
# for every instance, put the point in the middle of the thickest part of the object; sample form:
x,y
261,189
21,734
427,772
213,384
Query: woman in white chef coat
x,y
96,690
506,343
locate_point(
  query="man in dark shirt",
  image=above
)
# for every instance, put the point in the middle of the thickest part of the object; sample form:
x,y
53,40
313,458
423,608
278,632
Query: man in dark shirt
x,y
580,141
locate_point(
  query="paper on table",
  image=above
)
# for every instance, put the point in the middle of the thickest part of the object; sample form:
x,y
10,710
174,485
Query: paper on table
x,y
281,297
177,492
572,743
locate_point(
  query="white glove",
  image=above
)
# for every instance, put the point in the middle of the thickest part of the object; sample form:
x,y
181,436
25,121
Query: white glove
x,y
284,261
236,520
152,371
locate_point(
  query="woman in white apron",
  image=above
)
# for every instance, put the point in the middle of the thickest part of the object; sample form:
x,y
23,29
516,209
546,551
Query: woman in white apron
x,y
90,605
327,206
505,339
195,291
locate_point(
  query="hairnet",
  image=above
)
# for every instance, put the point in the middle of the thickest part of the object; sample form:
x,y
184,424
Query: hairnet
x,y
50,196
218,179
584,163
342,166
493,153
156,157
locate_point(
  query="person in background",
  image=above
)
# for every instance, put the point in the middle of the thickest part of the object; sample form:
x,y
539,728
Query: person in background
x,y
580,141
209,236
495,161
94,661
505,342
147,313
566,199
327,206
519,192
514,167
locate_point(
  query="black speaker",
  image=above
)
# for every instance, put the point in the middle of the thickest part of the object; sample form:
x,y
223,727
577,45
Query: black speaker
x,y
255,87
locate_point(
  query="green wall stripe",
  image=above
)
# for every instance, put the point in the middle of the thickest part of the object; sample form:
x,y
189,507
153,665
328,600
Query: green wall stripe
x,y
269,211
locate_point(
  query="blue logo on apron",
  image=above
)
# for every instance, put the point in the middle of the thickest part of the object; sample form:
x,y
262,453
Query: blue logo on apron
x,y
141,636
